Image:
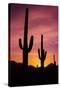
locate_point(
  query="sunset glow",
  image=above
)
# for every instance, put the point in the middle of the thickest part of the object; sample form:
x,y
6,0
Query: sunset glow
x,y
41,20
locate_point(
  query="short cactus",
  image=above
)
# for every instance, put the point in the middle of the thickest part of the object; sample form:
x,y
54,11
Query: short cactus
x,y
54,59
42,56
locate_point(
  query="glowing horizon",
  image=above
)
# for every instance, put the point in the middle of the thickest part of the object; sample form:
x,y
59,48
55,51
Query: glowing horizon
x,y
41,20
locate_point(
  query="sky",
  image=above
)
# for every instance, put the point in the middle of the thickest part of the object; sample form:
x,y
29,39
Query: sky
x,y
41,20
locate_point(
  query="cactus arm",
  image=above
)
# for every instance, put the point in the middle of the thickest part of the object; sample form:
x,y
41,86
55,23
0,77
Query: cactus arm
x,y
20,44
45,54
39,53
31,44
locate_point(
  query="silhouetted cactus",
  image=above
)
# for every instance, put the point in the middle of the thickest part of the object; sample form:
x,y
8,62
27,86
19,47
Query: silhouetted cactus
x,y
42,56
54,59
25,47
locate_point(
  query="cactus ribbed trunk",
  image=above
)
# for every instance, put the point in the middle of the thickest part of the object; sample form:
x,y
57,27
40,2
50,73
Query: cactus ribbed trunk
x,y
25,58
26,29
25,53
41,44
42,64
25,47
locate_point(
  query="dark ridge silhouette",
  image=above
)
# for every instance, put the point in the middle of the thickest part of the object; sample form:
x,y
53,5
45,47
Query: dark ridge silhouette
x,y
22,76
42,56
25,47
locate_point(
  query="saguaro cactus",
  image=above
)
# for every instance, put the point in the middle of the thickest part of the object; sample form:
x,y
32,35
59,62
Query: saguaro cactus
x,y
54,59
42,56
25,47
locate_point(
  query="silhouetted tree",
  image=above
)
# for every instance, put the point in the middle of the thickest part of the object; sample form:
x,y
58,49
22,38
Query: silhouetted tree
x,y
42,56
25,47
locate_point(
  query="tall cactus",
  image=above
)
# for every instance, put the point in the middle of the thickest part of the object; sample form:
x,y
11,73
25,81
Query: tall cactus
x,y
25,47
42,56
54,59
